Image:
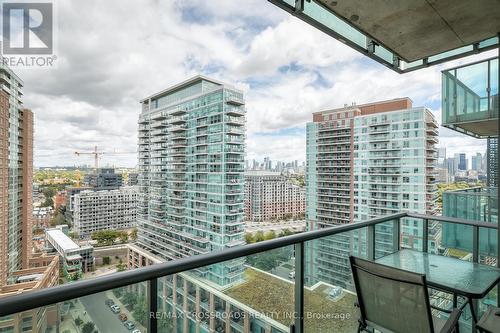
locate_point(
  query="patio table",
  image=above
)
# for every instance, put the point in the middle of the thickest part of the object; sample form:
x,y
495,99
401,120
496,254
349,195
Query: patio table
x,y
458,277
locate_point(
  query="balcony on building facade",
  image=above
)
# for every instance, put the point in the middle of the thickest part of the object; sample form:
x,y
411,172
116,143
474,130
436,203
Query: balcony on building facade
x,y
470,98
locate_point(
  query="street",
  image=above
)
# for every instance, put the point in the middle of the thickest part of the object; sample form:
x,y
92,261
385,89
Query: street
x,y
101,315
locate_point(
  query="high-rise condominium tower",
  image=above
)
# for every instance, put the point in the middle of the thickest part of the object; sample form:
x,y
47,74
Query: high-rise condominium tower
x,y
16,154
191,164
362,162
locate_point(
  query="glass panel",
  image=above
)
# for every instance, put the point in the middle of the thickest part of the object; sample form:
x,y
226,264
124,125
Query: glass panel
x,y
118,310
470,95
385,238
259,297
326,18
329,291
411,233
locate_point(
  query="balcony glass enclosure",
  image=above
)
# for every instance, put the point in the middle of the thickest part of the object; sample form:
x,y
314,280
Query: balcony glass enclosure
x,y
275,292
470,98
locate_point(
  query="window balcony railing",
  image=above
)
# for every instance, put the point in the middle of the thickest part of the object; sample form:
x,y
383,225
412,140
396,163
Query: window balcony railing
x,y
470,98
299,283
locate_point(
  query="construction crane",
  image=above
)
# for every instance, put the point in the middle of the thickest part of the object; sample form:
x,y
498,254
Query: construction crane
x,y
98,154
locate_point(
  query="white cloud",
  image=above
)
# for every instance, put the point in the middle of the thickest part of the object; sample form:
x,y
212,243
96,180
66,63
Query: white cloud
x,y
112,56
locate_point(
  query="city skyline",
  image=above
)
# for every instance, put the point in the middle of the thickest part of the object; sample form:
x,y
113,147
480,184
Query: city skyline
x,y
77,111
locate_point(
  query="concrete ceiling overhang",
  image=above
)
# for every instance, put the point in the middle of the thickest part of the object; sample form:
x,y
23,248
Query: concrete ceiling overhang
x,y
416,29
405,35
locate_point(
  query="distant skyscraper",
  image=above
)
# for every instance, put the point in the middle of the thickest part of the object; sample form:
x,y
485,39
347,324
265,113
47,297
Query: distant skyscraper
x,y
477,162
441,156
462,162
451,166
267,164
492,162
362,162
191,161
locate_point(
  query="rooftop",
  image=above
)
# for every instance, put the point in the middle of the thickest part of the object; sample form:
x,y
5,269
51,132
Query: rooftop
x,y
274,296
183,84
66,243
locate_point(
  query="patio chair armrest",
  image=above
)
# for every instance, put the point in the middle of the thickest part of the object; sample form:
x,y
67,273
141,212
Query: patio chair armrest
x,y
452,321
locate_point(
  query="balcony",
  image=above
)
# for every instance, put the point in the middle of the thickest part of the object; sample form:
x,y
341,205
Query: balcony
x,y
318,297
470,98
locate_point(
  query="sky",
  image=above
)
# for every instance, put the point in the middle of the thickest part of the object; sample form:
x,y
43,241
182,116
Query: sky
x,y
109,57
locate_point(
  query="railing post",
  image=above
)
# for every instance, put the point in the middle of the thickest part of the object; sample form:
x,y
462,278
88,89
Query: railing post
x,y
475,243
370,242
152,306
299,288
396,234
425,235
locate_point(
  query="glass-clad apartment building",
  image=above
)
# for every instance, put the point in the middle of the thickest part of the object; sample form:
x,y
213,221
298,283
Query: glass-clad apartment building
x,y
363,162
191,164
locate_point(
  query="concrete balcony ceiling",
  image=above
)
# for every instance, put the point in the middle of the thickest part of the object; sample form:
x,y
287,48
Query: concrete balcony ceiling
x,y
405,34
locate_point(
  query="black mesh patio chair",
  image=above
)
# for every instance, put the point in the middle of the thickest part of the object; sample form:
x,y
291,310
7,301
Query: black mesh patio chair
x,y
490,321
391,300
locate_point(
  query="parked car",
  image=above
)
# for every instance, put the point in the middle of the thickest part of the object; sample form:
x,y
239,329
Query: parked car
x,y
109,302
291,275
115,308
129,325
136,331
122,317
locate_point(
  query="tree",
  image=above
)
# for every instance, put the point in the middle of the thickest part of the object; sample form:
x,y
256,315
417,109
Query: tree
x,y
249,238
123,235
130,299
106,260
259,236
121,266
140,310
105,237
118,292
286,232
165,325
88,327
78,321
58,219
49,191
269,235
133,234
47,203
74,277
73,235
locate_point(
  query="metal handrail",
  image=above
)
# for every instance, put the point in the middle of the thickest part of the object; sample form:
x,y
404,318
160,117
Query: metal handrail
x,y
49,296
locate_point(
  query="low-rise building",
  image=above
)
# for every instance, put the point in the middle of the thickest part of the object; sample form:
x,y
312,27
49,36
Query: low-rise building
x,y
59,199
42,272
104,210
74,259
272,196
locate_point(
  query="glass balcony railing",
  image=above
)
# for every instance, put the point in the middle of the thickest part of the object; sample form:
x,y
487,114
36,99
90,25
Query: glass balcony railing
x,y
470,98
478,204
299,283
